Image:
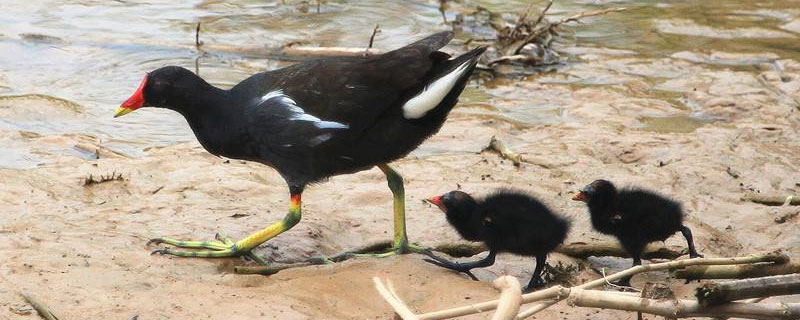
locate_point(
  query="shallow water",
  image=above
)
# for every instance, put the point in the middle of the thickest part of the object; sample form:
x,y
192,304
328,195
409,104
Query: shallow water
x,y
94,53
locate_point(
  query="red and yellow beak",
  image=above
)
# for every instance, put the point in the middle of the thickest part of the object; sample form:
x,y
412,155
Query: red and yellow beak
x,y
136,101
437,201
580,196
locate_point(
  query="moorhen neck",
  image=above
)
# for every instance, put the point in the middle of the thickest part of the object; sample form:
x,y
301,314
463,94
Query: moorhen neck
x,y
506,221
635,217
316,119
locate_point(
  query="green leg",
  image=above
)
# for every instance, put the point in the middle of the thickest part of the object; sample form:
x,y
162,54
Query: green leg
x,y
224,247
400,244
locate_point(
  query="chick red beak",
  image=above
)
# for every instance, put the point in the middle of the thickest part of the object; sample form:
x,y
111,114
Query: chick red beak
x,y
437,201
580,197
136,101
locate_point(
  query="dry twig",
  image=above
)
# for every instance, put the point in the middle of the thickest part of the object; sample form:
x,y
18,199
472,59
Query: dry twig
x,y
39,306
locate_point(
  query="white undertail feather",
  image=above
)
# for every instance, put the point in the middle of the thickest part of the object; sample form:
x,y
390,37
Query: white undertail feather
x,y
298,113
433,93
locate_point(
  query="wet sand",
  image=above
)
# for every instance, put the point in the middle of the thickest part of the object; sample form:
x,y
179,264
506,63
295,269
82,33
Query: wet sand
x,y
82,248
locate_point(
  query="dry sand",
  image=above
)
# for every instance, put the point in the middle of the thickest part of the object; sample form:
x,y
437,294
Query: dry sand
x,y
82,249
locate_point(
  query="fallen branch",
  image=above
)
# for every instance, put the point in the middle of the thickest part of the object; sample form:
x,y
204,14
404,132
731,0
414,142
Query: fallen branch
x,y
681,308
510,298
736,272
716,293
772,200
583,250
516,48
39,306
504,151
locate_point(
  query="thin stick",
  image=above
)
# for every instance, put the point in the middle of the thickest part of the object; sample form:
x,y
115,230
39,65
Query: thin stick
x,y
39,306
399,307
197,43
372,37
510,298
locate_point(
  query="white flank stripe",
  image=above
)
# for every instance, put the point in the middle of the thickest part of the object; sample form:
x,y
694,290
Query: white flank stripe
x,y
298,113
433,94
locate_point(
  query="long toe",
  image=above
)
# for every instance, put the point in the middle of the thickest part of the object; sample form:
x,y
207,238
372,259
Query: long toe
x,y
222,247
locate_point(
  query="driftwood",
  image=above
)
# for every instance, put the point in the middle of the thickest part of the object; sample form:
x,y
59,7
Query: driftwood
x,y
510,298
583,250
681,308
736,272
772,199
39,306
716,293
553,295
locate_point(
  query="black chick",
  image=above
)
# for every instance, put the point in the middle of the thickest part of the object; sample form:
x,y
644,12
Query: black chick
x,y
634,216
506,221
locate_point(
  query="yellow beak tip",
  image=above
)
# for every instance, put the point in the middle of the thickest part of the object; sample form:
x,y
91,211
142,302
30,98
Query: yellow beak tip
x,y
122,111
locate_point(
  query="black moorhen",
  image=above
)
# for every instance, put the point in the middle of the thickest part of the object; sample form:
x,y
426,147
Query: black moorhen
x,y
316,119
634,216
506,221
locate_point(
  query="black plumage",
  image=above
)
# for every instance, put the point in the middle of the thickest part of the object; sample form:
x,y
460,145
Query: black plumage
x,y
318,118
506,221
634,216
365,94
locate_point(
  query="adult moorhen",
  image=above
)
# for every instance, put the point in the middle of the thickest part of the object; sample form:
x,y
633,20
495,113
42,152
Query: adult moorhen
x,y
634,216
506,221
316,119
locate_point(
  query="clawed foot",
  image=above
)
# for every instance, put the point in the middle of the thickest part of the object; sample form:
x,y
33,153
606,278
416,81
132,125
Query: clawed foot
x,y
533,286
220,247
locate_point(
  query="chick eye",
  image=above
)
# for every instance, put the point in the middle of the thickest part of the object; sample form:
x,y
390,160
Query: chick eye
x,y
446,198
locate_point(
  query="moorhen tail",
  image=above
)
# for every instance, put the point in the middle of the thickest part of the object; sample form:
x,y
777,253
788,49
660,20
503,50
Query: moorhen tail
x,y
506,221
316,119
634,216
